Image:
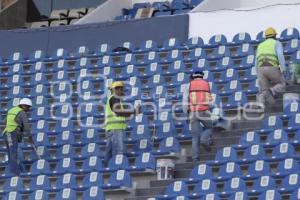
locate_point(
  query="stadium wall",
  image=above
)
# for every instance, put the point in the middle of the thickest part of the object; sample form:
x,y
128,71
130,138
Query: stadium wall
x,y
91,35
230,22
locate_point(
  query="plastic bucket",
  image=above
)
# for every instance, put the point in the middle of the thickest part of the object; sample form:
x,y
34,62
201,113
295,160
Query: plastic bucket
x,y
165,169
289,98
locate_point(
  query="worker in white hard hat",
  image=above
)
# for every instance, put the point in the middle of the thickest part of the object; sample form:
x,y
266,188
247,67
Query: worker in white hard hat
x,y
271,68
17,127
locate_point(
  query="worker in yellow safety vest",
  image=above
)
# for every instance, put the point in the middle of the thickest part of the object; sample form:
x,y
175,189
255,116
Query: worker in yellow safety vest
x,y
16,127
115,120
271,68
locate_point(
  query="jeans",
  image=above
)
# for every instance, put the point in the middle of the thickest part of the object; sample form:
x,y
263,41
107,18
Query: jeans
x,y
14,153
114,144
201,128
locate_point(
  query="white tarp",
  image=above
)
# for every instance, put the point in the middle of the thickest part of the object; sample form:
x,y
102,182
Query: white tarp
x,y
229,22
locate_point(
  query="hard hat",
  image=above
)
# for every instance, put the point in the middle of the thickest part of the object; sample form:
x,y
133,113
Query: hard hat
x,y
25,101
117,84
269,32
197,74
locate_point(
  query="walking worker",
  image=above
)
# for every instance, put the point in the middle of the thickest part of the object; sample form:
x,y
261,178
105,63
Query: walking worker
x,y
115,121
17,127
271,68
197,106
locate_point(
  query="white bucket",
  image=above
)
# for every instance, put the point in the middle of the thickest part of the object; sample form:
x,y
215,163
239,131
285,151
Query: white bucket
x,y
289,98
165,169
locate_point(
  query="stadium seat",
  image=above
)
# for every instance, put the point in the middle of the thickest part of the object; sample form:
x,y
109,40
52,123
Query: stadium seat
x,y
270,123
145,162
246,62
289,33
205,186
140,131
229,170
291,109
140,146
287,166
65,165
173,55
235,184
224,155
101,50
292,46
168,146
194,42
170,44
283,150
39,195
90,149
119,180
218,53
261,184
13,184
66,193
177,188
14,195
270,194
295,194
227,75
199,173
196,54
252,153
259,37
40,182
244,50
241,38
146,46
67,180
199,65
239,196
217,40
93,193
91,164
40,167
290,183
294,122
91,180
277,136
117,162
248,139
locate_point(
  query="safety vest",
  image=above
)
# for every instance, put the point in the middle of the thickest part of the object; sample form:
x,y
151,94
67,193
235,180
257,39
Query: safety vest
x,y
11,124
112,120
199,94
266,54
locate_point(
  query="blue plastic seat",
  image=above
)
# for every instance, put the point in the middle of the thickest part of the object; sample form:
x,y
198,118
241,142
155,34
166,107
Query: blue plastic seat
x,y
128,46
153,81
179,4
145,162
90,149
117,162
241,38
295,194
168,146
36,67
174,68
292,46
101,50
66,180
40,167
87,109
296,138
150,57
230,88
58,54
224,155
92,179
40,113
40,90
164,129
287,166
239,196
177,188
89,135
146,46
126,60
289,33
294,122
246,62
235,100
199,65
282,151
271,123
228,75
235,184
16,57
199,173
204,187
253,153
150,70
65,151
291,109
229,170
270,194
276,137
170,44
36,56
140,131
290,183
40,182
219,52
119,180
13,195
217,40
173,55
93,193
105,61
195,55
194,42
65,194
247,139
40,126
259,37
59,65
244,50
91,164
60,76
65,165
161,5
81,51
39,195
140,146
248,75
13,184
222,64
261,184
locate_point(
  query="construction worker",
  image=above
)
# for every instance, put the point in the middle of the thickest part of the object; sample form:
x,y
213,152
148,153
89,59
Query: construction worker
x,y
271,68
197,106
115,121
16,127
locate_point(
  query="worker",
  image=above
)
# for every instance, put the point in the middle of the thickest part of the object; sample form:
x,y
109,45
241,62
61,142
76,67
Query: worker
x,y
115,120
197,106
17,127
271,68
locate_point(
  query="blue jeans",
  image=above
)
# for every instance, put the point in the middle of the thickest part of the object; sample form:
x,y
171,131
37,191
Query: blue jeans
x,y
201,128
14,153
114,144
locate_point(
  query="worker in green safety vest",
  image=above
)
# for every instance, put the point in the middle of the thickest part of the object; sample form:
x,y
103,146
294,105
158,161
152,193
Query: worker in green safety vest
x,y
271,68
115,121
16,127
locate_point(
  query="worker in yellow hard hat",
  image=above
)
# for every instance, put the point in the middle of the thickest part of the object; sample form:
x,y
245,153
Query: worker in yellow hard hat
x,y
271,67
115,120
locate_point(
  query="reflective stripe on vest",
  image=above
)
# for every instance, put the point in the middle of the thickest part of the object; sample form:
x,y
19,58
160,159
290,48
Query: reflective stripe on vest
x,y
11,124
266,54
112,121
199,93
